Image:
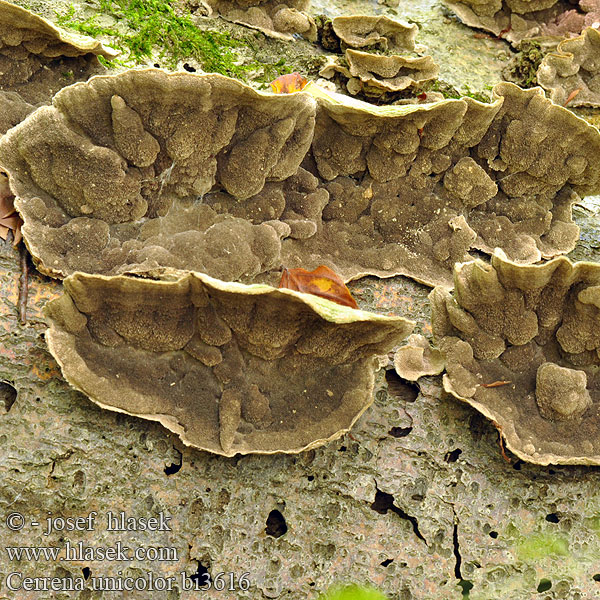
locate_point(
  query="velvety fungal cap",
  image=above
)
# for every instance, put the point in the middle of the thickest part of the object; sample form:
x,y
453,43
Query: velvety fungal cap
x,y
360,31
417,358
522,345
230,368
147,169
273,17
572,73
513,20
111,177
391,73
37,58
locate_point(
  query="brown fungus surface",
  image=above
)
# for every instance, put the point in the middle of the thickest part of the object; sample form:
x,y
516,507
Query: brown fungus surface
x,y
362,31
147,169
522,345
413,188
37,59
112,176
391,73
572,73
417,358
229,368
513,20
273,17
548,21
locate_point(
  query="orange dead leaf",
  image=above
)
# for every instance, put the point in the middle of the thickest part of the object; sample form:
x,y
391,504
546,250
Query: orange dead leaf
x,y
9,219
572,96
321,282
495,384
287,84
501,441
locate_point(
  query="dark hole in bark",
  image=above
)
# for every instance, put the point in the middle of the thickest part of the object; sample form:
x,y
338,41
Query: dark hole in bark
x,y
399,432
400,387
452,456
276,525
8,395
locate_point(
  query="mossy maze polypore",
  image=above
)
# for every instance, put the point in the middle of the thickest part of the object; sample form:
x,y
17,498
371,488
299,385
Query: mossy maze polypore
x,y
572,73
275,18
147,169
37,59
229,368
522,345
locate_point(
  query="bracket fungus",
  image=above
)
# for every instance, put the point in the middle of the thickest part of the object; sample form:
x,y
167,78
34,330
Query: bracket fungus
x,y
429,182
37,59
522,345
517,20
230,368
108,176
417,358
376,75
572,73
391,73
275,18
361,31
147,169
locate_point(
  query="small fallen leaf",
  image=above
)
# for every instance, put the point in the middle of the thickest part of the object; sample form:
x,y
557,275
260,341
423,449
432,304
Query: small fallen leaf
x,y
501,441
9,219
572,96
495,384
321,282
287,84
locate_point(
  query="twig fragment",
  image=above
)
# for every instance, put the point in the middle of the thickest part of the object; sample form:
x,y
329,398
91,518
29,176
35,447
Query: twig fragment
x,y
572,96
23,284
495,384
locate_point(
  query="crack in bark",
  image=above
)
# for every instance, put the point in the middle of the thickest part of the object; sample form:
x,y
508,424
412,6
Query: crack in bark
x,y
384,502
456,546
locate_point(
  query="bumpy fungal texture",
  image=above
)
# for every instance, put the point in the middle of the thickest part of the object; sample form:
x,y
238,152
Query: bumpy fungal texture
x,y
513,20
572,73
417,358
144,169
37,59
111,177
229,368
522,345
13,109
391,73
272,17
362,31
412,188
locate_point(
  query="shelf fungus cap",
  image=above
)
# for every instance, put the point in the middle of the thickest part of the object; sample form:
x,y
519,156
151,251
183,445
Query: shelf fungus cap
x,y
561,393
522,346
275,18
513,20
361,31
37,59
147,169
230,368
571,73
391,73
111,177
417,358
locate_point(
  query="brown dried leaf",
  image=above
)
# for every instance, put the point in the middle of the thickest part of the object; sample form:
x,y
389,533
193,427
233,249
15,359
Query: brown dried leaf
x,y
287,84
321,282
9,219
